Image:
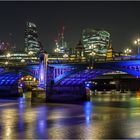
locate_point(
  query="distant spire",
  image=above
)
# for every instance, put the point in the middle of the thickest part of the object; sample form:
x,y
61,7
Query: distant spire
x,y
80,45
12,42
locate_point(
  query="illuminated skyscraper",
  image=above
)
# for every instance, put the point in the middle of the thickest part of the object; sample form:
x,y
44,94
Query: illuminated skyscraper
x,y
96,40
31,39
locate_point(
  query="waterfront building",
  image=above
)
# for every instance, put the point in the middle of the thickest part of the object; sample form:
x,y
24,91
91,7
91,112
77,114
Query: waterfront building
x,y
96,40
31,39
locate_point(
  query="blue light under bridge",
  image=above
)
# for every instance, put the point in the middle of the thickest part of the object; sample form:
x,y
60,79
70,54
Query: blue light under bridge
x,y
74,74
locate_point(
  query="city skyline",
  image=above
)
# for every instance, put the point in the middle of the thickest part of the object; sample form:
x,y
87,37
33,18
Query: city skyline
x,y
120,19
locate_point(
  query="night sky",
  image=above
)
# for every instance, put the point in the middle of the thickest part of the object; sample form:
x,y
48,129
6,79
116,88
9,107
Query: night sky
x,y
121,19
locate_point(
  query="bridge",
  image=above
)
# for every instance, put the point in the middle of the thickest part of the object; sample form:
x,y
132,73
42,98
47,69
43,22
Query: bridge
x,y
67,76
75,74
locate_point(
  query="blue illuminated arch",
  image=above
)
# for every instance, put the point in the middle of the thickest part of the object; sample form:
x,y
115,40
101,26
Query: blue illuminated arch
x,y
131,67
11,78
81,76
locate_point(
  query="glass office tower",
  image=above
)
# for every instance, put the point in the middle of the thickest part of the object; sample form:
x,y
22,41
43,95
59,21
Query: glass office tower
x,y
96,40
31,39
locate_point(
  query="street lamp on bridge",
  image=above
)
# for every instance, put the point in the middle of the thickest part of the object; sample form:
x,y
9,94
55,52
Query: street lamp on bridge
x,y
137,42
6,63
57,50
127,51
30,53
92,54
65,56
8,57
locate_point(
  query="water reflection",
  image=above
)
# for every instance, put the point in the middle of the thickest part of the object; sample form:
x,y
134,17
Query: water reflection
x,y
104,117
41,122
8,119
88,111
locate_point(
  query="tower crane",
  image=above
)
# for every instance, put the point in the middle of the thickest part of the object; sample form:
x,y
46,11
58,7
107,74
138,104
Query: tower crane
x,y
59,41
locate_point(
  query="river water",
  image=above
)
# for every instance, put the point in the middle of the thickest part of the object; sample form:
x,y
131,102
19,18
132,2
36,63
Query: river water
x,y
104,117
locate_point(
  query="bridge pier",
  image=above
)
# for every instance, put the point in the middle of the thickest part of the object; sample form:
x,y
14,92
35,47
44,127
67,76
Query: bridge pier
x,y
39,94
65,93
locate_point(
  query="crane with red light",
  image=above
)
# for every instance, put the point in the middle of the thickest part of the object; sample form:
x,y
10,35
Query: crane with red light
x,y
59,41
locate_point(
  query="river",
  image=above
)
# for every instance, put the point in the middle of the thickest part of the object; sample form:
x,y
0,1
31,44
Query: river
x,y
104,117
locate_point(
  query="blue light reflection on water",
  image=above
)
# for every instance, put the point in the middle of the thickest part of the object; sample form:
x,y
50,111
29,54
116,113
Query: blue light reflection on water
x,y
21,106
41,121
100,119
21,100
38,117
88,109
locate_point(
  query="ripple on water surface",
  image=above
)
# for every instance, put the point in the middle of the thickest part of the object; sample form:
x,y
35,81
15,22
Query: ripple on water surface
x,y
101,118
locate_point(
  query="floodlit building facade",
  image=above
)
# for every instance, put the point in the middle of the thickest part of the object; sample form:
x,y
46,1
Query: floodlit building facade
x,y
96,40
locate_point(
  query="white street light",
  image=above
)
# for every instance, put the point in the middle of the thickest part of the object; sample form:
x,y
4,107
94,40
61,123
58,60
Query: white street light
x,y
137,42
57,50
65,55
8,55
6,63
30,53
127,51
92,46
92,54
22,60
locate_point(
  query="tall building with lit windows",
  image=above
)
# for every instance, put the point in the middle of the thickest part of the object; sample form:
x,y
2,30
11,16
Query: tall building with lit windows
x,y
96,40
31,39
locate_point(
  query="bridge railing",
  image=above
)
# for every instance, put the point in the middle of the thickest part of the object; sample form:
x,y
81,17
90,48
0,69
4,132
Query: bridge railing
x,y
17,64
69,60
124,58
96,59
